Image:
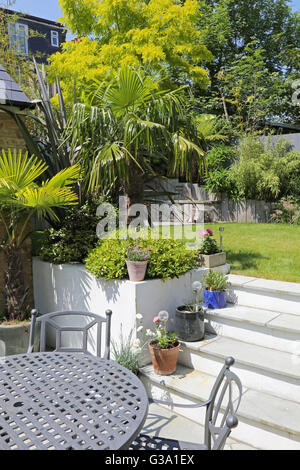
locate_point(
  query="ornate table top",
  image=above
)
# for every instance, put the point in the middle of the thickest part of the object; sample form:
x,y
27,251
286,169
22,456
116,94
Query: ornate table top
x,y
68,401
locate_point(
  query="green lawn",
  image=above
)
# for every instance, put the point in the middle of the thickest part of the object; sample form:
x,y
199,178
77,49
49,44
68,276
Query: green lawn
x,y
270,251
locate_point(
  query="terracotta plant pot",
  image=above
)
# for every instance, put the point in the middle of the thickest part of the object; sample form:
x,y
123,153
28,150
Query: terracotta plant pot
x,y
136,270
164,360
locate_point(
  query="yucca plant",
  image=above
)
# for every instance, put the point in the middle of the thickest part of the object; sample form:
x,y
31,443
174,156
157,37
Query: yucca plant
x,y
21,198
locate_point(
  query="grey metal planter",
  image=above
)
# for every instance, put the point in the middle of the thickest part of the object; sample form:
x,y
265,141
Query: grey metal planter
x,y
14,339
189,326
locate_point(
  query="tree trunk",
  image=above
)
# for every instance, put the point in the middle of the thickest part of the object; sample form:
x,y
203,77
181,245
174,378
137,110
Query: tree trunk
x,y
134,189
15,293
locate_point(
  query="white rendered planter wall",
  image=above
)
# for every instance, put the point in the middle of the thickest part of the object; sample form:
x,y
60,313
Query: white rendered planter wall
x,y
72,287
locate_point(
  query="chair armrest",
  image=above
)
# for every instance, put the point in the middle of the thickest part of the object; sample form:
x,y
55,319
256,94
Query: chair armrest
x,y
34,314
179,405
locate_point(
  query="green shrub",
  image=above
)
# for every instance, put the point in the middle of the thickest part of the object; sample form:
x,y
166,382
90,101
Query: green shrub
x,y
286,211
219,159
265,171
169,259
74,238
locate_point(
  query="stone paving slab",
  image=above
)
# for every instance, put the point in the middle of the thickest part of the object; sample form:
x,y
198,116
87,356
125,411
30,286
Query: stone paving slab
x,y
198,384
286,322
280,414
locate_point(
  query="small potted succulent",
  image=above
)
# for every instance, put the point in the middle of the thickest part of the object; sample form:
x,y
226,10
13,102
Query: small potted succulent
x,y
210,255
164,346
189,319
137,261
215,286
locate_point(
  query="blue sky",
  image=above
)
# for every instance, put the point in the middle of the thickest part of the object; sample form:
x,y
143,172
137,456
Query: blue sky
x,y
49,8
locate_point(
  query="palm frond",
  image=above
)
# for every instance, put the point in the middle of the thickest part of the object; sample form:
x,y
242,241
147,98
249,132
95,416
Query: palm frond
x,y
18,170
44,199
65,177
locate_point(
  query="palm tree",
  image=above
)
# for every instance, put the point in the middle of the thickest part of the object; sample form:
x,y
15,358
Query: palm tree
x,y
20,199
123,124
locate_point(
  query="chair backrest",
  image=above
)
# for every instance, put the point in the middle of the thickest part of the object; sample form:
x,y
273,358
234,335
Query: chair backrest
x,y
224,401
89,320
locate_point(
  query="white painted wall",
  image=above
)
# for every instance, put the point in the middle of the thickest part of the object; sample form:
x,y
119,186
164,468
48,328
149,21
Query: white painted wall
x,y
72,287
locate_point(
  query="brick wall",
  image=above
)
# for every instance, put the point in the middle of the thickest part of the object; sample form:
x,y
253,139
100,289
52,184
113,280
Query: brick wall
x,y
11,137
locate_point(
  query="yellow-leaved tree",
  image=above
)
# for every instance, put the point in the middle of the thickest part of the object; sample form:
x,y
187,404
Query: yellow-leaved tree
x,y
114,33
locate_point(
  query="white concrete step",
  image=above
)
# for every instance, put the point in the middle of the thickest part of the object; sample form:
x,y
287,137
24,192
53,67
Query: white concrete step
x,y
278,296
280,331
265,421
260,368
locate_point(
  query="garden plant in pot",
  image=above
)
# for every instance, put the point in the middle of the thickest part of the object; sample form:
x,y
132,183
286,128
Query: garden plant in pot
x,y
164,346
189,319
215,286
137,261
210,255
21,198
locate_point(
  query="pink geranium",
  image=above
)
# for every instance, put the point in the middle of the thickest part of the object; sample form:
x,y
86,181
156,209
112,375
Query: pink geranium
x,y
156,320
206,233
203,233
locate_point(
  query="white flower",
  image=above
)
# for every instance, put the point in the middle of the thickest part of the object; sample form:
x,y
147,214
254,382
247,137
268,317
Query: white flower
x,y
139,329
139,316
150,333
136,343
136,350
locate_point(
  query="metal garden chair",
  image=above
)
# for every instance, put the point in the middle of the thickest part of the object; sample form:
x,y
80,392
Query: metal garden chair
x,y
215,434
49,320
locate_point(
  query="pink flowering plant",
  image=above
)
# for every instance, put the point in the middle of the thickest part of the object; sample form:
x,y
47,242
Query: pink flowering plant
x,y
208,245
138,253
161,337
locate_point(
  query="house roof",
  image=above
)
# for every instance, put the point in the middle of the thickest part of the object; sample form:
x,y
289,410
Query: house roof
x,y
10,93
35,19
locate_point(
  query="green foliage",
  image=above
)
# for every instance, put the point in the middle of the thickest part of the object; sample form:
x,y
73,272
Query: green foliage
x,y
266,172
161,337
74,237
219,159
169,259
127,354
123,123
21,198
215,281
114,33
209,246
229,28
286,211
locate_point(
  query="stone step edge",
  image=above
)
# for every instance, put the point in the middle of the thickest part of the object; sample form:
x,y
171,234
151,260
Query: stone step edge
x,y
221,314
201,351
241,415
275,291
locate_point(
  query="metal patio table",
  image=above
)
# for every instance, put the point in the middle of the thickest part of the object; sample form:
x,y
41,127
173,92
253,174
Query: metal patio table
x,y
67,401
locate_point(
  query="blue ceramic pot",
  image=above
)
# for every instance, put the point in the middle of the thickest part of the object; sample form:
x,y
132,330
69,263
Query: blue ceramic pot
x,y
215,299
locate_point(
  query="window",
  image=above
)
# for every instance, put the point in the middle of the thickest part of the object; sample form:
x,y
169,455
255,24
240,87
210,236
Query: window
x,y
54,39
18,36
